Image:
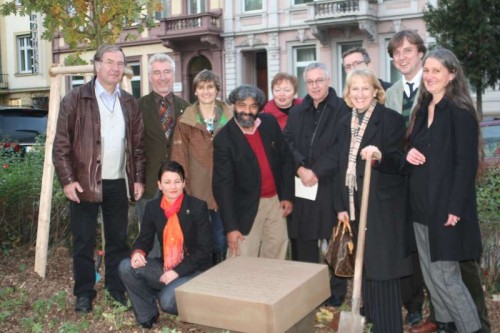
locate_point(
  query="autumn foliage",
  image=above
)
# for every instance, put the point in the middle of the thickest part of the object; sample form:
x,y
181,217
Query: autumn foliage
x,y
87,24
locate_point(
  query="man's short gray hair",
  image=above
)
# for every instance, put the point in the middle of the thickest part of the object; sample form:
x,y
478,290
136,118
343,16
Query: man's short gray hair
x,y
314,65
160,57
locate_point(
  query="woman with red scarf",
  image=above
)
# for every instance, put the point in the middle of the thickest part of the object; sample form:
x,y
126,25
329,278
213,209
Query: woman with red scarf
x,y
183,228
284,88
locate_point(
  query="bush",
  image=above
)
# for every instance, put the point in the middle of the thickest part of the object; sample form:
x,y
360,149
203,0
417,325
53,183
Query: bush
x,y
488,197
20,185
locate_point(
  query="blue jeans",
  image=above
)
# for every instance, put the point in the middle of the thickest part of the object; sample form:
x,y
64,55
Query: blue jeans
x,y
218,236
144,288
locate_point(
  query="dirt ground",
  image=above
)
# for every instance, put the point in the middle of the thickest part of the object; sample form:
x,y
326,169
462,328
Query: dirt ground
x,y
29,303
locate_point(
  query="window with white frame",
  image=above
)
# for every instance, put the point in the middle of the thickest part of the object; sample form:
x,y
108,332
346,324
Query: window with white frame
x,y
391,71
24,54
342,48
302,56
250,5
302,2
136,79
196,6
76,81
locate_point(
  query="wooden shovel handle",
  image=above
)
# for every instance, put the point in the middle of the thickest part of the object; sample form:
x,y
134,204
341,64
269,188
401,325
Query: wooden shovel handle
x,y
358,266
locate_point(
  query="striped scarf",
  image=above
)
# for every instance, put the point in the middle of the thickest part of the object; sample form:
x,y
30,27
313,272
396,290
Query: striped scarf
x,y
357,132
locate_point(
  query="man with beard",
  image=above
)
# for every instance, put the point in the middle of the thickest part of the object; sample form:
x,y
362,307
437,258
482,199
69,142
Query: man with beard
x,y
253,178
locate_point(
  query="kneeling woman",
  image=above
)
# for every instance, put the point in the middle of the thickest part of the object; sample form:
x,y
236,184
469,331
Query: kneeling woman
x,y
183,229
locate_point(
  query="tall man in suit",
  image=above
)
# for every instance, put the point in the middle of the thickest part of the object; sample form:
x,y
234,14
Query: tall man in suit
x,y
160,110
253,178
406,48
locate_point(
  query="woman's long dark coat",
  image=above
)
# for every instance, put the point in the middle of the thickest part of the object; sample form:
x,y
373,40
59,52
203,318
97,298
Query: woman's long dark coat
x,y
452,163
386,246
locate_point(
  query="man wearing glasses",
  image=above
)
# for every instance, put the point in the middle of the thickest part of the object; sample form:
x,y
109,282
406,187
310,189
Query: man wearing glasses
x,y
310,132
99,160
358,57
160,110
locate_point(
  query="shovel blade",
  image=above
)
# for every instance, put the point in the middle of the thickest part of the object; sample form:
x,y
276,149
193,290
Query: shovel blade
x,y
351,323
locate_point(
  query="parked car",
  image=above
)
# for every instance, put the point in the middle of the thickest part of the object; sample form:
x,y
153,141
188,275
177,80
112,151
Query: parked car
x,y
491,141
19,127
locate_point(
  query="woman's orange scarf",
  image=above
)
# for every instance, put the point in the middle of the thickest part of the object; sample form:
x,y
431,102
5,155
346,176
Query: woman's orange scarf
x,y
173,239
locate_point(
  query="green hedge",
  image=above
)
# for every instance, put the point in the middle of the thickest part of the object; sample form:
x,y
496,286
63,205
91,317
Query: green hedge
x,y
20,184
488,204
21,177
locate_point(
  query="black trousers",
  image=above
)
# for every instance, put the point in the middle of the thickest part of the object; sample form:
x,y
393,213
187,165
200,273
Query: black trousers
x,y
382,304
308,251
412,287
83,217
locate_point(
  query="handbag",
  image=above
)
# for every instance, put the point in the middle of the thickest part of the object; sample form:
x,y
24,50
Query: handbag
x,y
340,253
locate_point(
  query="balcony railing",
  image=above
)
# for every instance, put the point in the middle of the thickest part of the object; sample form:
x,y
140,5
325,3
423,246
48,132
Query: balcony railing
x,y
338,8
182,32
193,24
325,14
4,81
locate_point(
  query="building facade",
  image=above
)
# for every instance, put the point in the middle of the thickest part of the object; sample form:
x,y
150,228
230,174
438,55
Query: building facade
x,y
25,60
244,41
262,38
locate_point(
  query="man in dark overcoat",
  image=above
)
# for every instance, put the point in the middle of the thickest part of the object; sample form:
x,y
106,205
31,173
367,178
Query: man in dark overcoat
x,y
310,132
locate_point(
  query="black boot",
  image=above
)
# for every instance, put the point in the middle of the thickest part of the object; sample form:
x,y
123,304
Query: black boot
x,y
447,328
218,257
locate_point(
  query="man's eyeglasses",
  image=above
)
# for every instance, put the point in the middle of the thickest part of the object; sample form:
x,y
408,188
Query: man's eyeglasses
x,y
317,82
355,64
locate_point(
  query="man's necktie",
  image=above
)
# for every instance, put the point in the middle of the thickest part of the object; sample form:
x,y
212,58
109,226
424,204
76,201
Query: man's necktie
x,y
166,119
410,85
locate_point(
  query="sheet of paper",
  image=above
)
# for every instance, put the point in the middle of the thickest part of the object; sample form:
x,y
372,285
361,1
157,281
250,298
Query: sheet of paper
x,y
305,192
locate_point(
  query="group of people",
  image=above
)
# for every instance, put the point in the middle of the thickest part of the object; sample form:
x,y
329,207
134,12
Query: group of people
x,y
226,178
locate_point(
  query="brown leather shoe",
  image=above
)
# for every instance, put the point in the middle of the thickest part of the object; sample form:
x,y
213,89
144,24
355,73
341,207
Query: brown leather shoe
x,y
426,327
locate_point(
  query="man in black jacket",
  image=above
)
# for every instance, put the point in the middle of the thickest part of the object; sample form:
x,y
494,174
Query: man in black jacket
x,y
253,178
310,131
